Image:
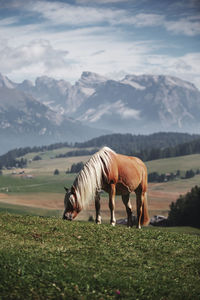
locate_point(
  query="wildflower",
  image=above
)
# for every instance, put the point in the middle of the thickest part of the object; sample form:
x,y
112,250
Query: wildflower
x,y
118,292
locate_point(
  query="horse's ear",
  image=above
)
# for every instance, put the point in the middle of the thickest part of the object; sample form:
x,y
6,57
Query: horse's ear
x,y
73,189
66,189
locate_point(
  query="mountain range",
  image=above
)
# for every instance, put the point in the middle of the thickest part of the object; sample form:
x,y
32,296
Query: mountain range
x,y
51,110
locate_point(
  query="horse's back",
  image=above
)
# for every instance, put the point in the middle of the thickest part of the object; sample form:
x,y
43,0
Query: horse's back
x,y
127,172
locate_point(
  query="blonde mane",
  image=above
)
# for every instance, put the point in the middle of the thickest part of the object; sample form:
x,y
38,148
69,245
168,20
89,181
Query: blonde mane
x,y
89,180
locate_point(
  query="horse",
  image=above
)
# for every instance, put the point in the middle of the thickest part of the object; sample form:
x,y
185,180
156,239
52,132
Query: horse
x,y
115,174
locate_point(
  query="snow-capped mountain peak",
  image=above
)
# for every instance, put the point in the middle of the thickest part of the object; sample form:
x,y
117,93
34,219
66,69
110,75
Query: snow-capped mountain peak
x,y
5,82
91,79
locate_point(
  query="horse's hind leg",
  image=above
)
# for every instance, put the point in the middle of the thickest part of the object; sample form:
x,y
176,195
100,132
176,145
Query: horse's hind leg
x,y
138,192
127,203
97,207
112,204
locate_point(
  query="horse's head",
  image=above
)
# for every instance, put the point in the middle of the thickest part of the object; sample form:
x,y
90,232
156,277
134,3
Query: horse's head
x,y
71,205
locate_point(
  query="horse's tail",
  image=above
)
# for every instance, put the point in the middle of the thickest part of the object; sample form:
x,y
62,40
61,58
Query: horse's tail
x,y
145,214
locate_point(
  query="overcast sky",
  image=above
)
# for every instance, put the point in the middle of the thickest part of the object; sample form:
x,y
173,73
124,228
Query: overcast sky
x,y
61,39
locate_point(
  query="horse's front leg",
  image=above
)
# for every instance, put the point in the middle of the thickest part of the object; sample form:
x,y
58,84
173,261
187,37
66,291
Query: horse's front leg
x,y
112,204
97,207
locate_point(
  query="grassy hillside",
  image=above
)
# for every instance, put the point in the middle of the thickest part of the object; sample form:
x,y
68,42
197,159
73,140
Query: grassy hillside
x,y
45,190
49,163
47,258
182,163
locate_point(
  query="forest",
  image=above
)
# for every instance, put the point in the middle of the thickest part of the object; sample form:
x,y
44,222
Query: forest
x,y
147,147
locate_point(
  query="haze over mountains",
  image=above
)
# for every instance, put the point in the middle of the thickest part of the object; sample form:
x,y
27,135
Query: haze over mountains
x,y
52,110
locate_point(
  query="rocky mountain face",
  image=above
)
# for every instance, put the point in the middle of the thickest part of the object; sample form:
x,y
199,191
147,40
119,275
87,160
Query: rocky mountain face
x,y
143,104
25,121
136,104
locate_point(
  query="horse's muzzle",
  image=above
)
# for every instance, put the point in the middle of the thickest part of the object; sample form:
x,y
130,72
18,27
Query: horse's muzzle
x,y
67,216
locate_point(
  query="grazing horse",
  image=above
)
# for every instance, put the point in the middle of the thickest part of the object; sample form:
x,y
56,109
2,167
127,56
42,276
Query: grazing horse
x,y
117,175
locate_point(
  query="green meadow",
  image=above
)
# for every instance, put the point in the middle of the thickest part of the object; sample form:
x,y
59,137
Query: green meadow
x,y
172,164
44,257
45,184
48,258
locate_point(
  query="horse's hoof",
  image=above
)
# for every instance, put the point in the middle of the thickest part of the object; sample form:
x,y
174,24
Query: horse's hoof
x,y
112,223
98,220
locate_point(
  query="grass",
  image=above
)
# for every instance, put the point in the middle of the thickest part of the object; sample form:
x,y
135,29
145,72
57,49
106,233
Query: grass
x,y
47,258
27,210
51,184
48,154
168,165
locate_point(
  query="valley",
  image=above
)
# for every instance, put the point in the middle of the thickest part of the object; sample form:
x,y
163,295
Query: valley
x,y
43,192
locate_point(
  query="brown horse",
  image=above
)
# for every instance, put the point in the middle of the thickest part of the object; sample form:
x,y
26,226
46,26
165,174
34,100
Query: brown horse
x,y
117,175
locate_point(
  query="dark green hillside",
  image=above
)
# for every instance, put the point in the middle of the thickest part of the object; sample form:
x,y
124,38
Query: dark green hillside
x,y
128,142
148,147
47,258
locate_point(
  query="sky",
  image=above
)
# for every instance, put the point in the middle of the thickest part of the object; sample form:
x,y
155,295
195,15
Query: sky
x,y
61,39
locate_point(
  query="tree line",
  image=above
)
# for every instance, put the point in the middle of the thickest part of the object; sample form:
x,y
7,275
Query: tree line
x,y
81,152
10,159
147,147
156,177
129,144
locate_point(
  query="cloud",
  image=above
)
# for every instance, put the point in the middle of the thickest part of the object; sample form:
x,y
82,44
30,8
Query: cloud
x,y
185,67
126,112
14,4
98,52
62,40
118,107
9,21
187,26
62,13
100,1
36,53
143,20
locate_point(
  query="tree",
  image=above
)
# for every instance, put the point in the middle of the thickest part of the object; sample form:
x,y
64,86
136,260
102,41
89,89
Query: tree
x,y
75,168
186,210
189,174
37,157
56,172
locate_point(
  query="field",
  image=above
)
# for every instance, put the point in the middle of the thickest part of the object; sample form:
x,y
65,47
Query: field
x,y
44,257
43,193
47,258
